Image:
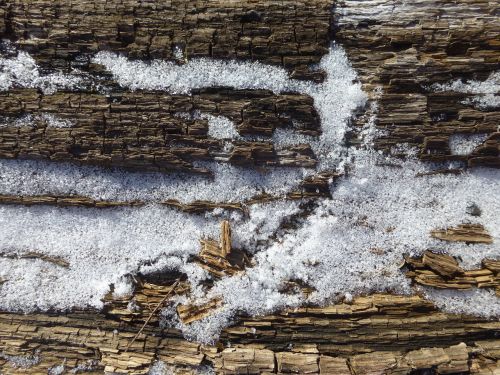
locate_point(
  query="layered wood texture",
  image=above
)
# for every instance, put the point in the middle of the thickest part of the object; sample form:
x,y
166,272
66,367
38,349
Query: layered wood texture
x,y
398,53
401,49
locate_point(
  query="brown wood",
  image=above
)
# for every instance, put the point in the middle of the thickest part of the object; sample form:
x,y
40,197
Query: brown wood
x,y
397,57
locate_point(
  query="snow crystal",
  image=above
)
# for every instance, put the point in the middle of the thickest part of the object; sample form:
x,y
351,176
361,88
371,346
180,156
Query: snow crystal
x,y
195,74
160,368
355,242
229,183
21,361
87,366
100,246
221,127
481,302
484,102
30,120
490,86
464,144
178,53
56,370
487,91
22,71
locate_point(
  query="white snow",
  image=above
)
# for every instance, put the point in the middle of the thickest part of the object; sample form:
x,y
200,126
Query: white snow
x,y
490,86
229,184
487,91
160,368
355,242
481,302
484,102
30,120
464,144
56,370
220,127
22,71
21,361
350,244
195,74
100,246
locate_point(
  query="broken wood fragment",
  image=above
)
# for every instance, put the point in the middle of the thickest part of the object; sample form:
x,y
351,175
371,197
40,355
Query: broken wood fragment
x,y
442,271
443,264
218,257
493,265
152,313
36,255
225,241
470,233
192,312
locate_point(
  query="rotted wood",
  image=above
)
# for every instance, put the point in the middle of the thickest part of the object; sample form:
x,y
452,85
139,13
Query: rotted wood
x,y
190,313
443,271
143,130
377,334
401,50
290,33
219,258
398,59
470,233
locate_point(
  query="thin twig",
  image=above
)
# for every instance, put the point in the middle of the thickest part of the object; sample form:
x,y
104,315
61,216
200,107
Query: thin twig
x,y
152,313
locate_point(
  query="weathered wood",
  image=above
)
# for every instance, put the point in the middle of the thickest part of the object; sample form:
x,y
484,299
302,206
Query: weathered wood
x,y
399,57
191,313
373,334
290,33
443,271
400,50
472,233
144,130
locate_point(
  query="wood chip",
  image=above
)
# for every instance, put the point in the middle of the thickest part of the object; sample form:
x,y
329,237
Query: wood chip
x,y
442,271
444,265
470,233
191,312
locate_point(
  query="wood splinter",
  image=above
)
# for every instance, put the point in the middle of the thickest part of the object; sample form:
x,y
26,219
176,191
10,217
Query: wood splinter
x,y
191,312
218,257
443,271
152,313
470,233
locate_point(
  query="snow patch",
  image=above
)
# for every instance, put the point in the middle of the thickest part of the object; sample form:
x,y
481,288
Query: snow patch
x,y
196,74
481,302
486,91
220,127
46,119
490,86
22,71
21,361
464,144
355,242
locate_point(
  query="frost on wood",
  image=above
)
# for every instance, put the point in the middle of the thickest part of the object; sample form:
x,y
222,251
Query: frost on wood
x,y
22,71
461,144
382,209
486,92
44,119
